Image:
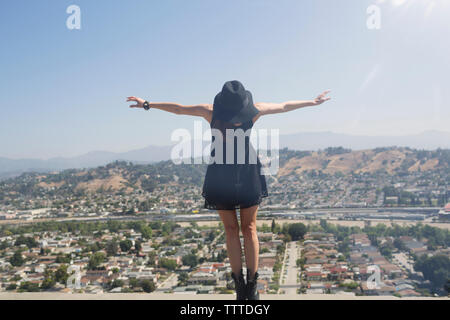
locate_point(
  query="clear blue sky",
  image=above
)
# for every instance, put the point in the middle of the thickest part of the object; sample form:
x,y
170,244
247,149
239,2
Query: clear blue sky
x,y
62,92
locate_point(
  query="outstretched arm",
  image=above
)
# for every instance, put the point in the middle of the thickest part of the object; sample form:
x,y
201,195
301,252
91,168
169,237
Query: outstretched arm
x,y
272,108
199,110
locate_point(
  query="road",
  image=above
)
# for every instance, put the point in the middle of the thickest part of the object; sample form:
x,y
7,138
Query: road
x,y
289,282
169,284
402,260
212,244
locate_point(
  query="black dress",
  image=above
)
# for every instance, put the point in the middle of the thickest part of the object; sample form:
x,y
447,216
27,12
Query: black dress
x,y
234,185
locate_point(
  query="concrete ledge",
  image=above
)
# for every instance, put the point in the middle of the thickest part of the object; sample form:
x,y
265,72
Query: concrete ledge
x,y
166,296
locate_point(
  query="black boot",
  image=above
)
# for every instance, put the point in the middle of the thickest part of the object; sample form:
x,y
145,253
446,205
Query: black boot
x,y
251,289
239,285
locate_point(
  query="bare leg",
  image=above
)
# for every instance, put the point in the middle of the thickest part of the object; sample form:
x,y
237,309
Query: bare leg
x,y
234,250
251,243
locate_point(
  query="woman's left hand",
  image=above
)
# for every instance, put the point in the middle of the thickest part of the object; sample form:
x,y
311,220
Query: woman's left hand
x,y
321,98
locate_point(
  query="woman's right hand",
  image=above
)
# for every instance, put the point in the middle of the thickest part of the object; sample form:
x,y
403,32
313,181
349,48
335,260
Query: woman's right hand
x,y
321,98
139,104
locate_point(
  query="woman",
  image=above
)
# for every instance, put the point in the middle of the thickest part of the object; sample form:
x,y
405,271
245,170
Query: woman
x,y
231,185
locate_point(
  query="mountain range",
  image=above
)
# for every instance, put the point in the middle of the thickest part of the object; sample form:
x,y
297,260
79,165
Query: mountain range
x,y
312,141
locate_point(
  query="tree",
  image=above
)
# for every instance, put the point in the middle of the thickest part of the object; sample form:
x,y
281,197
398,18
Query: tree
x,y
300,262
28,241
190,260
146,232
211,236
138,246
155,225
344,246
386,249
151,258
28,287
147,285
3,245
112,248
399,244
373,239
273,226
116,284
113,226
222,256
60,258
296,231
96,260
145,206
133,283
49,281
264,250
169,264
17,260
126,245
182,278
61,274
11,286
324,224
435,268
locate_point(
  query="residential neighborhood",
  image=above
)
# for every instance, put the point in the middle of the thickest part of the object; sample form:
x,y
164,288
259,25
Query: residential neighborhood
x,y
121,257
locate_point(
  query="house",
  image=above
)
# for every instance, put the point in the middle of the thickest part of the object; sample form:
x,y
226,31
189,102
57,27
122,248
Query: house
x,y
262,286
357,258
160,270
313,268
265,236
265,274
386,290
403,287
317,260
96,277
391,270
331,288
98,273
361,272
315,276
415,246
315,288
266,262
46,259
338,273
205,290
141,273
203,278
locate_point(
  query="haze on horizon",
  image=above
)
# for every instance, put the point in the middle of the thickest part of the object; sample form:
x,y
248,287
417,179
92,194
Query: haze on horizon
x,y
63,91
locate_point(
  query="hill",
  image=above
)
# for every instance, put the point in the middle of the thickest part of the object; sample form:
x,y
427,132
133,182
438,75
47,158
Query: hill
x,y
126,177
313,141
392,160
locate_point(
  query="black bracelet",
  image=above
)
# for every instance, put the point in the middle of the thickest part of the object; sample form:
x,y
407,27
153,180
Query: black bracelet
x,y
146,105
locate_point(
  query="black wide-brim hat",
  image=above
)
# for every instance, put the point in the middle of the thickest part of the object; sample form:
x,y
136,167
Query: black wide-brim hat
x,y
234,104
